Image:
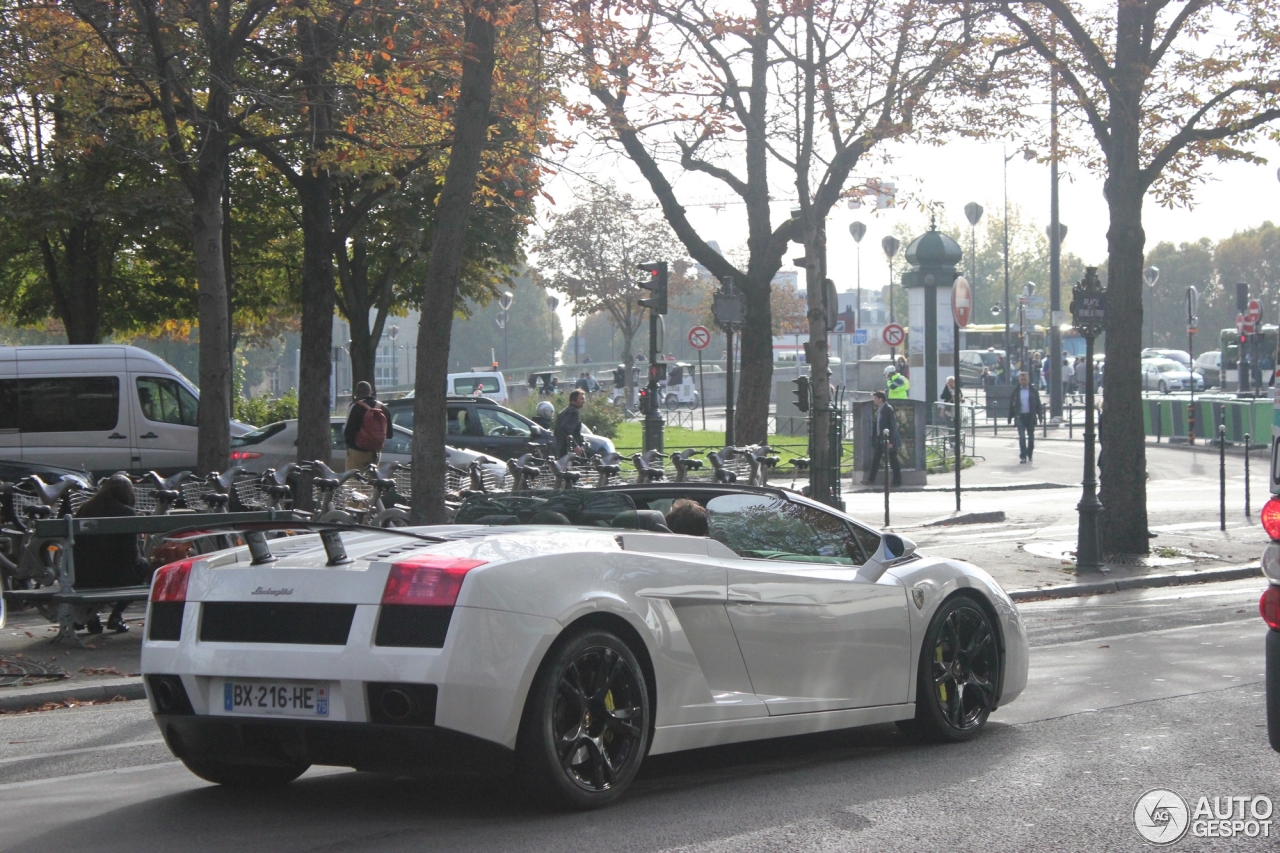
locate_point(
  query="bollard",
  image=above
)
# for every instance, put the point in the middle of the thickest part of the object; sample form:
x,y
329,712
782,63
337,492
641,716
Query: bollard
x,y
1246,475
1222,477
1070,421
885,444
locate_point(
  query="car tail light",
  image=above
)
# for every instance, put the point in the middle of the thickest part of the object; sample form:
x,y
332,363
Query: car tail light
x,y
1269,606
1271,517
241,455
427,580
170,583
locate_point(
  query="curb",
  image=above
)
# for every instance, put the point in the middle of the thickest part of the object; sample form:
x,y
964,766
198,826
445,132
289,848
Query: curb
x,y
967,518
35,696
989,487
1078,590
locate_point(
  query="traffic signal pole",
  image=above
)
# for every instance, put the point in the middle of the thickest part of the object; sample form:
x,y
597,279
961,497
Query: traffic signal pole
x,y
654,421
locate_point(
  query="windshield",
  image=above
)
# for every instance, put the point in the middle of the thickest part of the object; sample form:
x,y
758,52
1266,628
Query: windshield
x,y
1170,367
579,507
258,435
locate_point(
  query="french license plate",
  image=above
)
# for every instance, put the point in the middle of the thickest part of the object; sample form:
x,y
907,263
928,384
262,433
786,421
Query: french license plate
x,y
292,699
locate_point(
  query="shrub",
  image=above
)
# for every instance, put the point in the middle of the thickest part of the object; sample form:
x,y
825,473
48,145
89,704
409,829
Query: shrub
x,y
260,411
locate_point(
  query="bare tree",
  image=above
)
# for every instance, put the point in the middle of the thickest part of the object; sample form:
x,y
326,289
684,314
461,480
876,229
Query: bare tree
x,y
694,86
591,253
1161,87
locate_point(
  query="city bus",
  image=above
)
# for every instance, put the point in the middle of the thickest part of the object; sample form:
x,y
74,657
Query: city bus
x,y
1266,344
991,335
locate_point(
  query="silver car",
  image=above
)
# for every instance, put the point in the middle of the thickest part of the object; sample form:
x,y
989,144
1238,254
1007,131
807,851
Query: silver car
x,y
1165,375
276,444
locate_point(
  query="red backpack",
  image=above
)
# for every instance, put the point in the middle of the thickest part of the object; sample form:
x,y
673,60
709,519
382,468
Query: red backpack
x,y
373,429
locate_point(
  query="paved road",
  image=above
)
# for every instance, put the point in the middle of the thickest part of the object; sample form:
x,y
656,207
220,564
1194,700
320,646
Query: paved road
x,y
1128,692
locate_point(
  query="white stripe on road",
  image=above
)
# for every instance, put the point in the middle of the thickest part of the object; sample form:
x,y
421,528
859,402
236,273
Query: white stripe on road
x,y
63,752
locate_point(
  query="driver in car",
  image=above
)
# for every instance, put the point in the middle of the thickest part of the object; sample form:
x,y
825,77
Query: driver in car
x,y
687,517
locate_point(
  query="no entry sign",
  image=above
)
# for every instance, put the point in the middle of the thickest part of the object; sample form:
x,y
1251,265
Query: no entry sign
x,y
893,335
961,301
699,337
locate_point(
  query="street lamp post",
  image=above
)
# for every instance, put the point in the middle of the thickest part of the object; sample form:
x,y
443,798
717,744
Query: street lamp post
x,y
857,231
1151,275
504,303
890,245
552,305
1089,314
1028,155
1193,305
392,333
972,212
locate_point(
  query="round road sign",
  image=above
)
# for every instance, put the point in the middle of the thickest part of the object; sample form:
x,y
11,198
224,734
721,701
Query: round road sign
x,y
699,337
1254,314
893,335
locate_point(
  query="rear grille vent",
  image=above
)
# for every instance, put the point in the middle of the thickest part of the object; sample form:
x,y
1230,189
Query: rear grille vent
x,y
166,620
276,622
412,626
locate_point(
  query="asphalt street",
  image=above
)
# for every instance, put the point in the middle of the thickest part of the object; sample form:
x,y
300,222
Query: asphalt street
x,y
1128,692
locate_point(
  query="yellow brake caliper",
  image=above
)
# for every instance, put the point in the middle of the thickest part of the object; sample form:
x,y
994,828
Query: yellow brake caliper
x,y
942,688
608,706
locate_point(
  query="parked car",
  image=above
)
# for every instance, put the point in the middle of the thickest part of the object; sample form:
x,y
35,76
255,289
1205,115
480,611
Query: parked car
x,y
1209,365
276,444
479,424
1165,375
973,360
556,630
104,408
1181,356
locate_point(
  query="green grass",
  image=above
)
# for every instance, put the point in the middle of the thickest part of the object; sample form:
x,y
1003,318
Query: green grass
x,y
630,440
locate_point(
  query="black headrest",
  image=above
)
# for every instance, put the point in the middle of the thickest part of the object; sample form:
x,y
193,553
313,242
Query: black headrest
x,y
642,519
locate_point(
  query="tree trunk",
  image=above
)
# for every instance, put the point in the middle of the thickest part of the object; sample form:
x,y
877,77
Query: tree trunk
x,y
314,405
1123,484
363,350
440,290
74,280
214,418
628,375
755,379
820,481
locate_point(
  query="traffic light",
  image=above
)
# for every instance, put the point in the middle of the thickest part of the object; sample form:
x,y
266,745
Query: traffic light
x,y
644,401
657,285
802,392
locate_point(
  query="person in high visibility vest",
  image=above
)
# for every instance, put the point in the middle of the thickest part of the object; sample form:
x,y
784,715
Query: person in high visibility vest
x,y
898,384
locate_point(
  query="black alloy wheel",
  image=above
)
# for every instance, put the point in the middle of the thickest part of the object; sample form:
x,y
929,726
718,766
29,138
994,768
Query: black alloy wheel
x,y
586,723
959,673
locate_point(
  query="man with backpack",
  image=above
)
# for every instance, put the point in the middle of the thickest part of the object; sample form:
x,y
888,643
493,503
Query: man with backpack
x,y
368,428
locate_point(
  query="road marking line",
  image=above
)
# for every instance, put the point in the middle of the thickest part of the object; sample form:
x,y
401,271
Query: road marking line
x,y
63,752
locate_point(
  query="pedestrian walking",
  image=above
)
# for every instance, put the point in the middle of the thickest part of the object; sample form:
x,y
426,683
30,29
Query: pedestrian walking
x,y
898,383
884,419
368,427
1026,409
1068,375
903,368
950,394
568,431
987,379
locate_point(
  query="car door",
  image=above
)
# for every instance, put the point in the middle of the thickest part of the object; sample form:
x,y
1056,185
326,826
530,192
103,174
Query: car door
x,y
10,438
815,634
504,434
460,428
165,412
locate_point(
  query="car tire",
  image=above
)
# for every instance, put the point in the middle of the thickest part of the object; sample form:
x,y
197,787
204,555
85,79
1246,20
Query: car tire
x,y
943,711
244,775
580,745
1163,387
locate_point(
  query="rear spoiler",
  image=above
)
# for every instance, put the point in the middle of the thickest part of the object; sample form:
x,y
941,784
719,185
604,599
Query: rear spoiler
x,y
251,526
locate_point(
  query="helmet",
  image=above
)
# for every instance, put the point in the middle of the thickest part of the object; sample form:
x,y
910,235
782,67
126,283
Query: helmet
x,y
890,370
546,410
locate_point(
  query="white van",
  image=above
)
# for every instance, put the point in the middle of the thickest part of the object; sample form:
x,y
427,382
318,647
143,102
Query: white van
x,y
465,384
100,408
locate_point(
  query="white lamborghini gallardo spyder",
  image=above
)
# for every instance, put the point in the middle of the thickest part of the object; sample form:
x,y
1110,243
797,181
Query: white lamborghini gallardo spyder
x,y
565,636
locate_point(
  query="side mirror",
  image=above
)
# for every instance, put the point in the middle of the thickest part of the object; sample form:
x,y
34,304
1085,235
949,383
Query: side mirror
x,y
896,547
